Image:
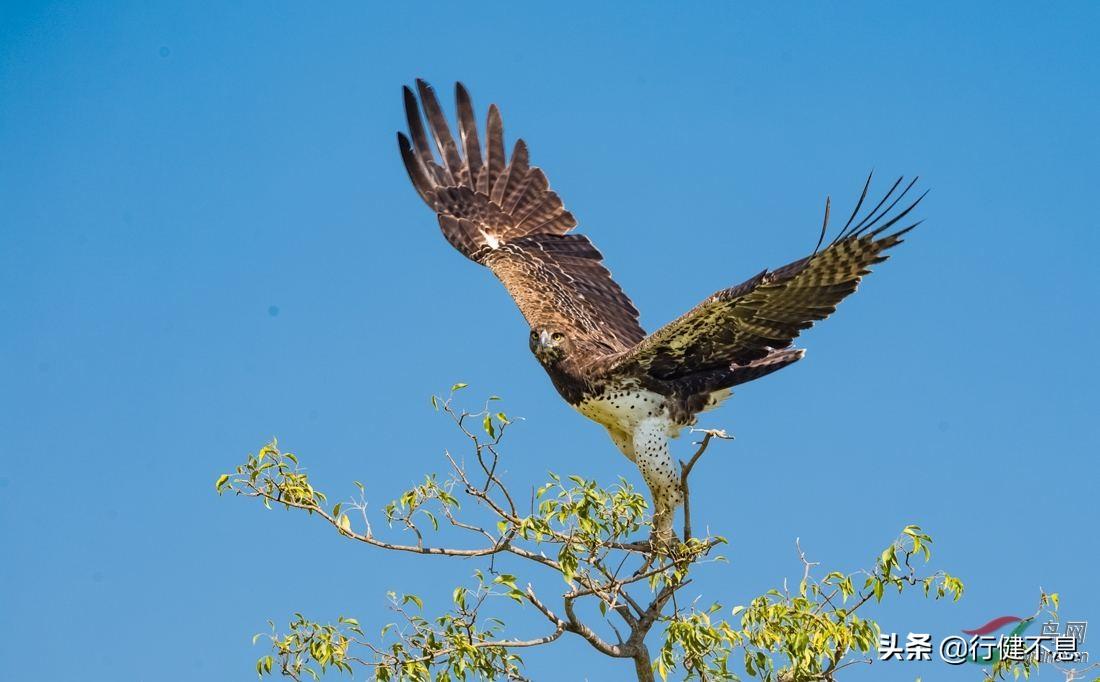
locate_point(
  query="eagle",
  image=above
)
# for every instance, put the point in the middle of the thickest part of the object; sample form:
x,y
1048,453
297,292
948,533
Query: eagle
x,y
500,212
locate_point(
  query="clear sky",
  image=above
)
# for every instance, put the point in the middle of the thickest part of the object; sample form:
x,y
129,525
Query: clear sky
x,y
207,239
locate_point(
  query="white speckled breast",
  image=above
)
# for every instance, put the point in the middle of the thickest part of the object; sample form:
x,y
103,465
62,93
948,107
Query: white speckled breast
x,y
623,407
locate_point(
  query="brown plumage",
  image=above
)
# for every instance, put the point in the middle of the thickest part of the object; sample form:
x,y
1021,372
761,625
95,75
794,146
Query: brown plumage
x,y
584,329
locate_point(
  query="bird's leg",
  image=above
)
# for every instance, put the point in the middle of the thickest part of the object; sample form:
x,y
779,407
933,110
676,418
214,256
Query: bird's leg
x,y
654,459
622,440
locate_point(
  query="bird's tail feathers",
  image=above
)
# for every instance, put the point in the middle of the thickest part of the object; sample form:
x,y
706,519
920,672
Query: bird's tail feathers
x,y
734,375
740,374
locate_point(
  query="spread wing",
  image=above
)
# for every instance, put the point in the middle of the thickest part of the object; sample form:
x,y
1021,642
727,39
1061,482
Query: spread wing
x,y
747,323
559,282
504,215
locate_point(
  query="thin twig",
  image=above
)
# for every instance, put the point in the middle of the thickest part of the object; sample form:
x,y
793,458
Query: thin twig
x,y
685,471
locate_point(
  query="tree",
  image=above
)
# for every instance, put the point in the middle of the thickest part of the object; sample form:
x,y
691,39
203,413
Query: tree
x,y
584,533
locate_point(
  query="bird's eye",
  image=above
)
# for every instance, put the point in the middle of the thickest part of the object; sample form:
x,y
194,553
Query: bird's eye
x,y
557,336
533,333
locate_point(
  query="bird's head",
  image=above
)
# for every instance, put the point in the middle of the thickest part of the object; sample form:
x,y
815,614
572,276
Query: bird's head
x,y
550,345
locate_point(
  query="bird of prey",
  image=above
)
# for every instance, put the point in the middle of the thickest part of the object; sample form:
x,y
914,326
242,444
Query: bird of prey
x,y
500,212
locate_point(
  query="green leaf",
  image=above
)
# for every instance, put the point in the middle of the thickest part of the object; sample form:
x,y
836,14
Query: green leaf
x,y
221,481
506,579
888,560
458,387
414,599
431,517
487,423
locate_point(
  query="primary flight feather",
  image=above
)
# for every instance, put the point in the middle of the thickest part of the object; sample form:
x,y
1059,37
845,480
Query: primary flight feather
x,y
499,211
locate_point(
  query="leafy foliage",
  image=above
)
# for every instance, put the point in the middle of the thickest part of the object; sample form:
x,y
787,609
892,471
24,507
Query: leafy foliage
x,y
583,532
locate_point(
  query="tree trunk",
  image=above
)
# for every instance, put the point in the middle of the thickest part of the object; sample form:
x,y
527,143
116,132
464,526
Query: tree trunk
x,y
642,665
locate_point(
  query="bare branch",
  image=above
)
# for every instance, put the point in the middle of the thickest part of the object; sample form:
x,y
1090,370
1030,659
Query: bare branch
x,y
685,472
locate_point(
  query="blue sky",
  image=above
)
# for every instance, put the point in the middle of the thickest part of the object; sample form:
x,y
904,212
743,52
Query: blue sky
x,y
207,238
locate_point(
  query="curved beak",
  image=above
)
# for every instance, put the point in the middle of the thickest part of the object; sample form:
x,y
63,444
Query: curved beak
x,y
544,339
